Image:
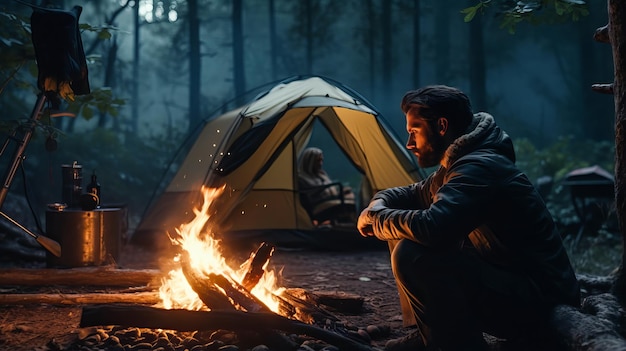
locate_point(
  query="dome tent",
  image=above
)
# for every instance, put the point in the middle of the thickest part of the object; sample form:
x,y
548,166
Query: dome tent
x,y
253,151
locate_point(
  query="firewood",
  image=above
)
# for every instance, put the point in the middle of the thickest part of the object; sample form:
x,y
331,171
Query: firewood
x,y
339,301
208,293
237,293
256,267
306,307
147,298
92,276
184,320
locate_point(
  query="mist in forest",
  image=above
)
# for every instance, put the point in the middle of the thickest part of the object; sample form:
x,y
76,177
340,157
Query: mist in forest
x,y
535,81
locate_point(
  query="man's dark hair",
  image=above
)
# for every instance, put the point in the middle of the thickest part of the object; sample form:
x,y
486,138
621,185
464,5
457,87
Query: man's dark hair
x,y
435,101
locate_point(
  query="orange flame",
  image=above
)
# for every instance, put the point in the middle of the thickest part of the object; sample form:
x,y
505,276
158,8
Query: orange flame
x,y
205,256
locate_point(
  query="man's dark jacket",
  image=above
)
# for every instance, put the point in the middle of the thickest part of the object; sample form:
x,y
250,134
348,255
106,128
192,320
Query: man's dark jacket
x,y
479,197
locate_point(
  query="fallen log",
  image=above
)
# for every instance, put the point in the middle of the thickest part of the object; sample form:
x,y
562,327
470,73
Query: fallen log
x,y
593,284
92,276
146,298
184,320
594,327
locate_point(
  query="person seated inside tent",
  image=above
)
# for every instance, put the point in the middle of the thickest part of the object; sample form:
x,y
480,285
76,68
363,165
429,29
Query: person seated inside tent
x,y
325,200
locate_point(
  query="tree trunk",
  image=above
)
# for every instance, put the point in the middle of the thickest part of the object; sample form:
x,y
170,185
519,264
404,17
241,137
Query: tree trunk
x,y
387,47
370,44
135,99
273,40
617,37
477,68
239,72
195,66
417,53
442,42
109,76
309,37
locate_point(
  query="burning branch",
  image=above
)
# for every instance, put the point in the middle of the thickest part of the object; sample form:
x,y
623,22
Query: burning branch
x,y
257,265
238,293
212,297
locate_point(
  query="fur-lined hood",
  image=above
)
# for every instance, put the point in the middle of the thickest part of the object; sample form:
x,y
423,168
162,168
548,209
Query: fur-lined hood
x,y
482,133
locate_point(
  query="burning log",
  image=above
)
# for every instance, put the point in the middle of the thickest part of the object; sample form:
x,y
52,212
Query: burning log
x,y
185,320
220,292
210,295
238,293
256,269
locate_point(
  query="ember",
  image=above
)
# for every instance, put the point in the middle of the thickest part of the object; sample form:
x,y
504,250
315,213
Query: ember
x,y
201,262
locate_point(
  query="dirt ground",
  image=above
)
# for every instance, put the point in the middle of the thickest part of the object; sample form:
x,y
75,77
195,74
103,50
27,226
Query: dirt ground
x,y
366,274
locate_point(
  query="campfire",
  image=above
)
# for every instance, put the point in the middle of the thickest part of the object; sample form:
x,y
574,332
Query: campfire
x,y
204,279
204,293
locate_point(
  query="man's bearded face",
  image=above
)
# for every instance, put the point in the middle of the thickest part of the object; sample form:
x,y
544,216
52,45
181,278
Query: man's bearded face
x,y
424,141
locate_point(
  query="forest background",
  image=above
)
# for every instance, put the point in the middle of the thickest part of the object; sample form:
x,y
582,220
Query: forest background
x,y
159,70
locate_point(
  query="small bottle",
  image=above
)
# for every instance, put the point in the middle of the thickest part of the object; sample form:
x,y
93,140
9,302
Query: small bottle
x,y
94,187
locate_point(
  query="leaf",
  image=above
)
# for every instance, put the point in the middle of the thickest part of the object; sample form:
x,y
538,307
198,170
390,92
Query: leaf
x,y
104,34
87,112
113,111
470,12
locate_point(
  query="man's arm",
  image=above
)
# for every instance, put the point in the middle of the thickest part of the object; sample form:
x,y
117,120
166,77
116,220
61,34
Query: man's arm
x,y
458,207
414,196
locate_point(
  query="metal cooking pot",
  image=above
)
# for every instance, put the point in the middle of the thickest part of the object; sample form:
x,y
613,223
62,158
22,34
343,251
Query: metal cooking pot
x,y
87,238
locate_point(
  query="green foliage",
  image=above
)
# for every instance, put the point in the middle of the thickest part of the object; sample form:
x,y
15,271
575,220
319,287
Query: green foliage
x,y
101,99
103,32
18,53
512,13
591,252
564,155
126,176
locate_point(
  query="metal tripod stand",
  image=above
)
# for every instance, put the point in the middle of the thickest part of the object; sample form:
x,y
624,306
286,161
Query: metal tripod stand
x,y
22,136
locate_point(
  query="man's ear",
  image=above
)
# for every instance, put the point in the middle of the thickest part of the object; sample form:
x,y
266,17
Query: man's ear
x,y
442,126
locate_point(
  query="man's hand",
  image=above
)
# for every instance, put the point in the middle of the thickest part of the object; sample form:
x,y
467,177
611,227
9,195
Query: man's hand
x,y
364,223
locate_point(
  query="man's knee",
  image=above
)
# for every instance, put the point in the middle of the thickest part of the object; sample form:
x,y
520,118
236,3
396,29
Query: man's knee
x,y
406,257
411,259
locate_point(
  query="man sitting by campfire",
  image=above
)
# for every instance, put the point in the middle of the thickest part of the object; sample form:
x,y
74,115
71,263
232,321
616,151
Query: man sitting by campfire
x,y
474,247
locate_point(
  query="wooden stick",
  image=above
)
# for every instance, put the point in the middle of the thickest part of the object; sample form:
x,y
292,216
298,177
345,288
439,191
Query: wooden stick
x,y
212,297
255,270
94,276
184,320
147,298
306,302
238,293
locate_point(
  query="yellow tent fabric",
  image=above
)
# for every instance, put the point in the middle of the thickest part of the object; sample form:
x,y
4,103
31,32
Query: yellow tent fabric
x,y
253,152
